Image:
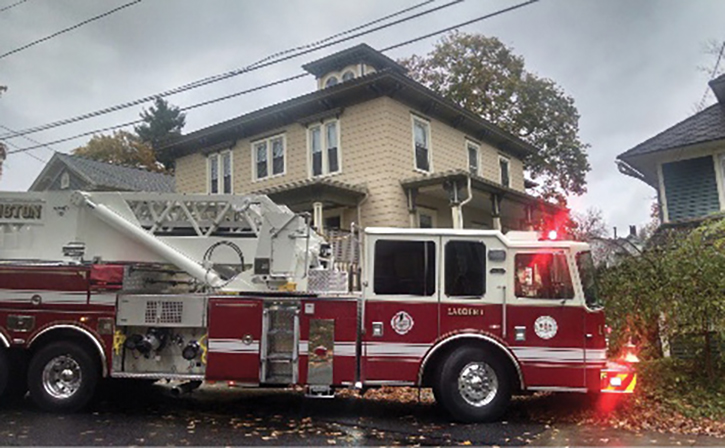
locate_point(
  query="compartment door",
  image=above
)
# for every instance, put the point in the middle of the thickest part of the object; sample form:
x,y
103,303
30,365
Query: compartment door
x,y
235,330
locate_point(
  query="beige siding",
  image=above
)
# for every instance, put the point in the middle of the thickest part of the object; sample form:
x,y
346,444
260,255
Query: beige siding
x,y
191,174
448,148
376,150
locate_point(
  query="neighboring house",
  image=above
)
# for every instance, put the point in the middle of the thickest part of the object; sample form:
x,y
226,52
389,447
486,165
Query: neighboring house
x,y
685,164
609,252
67,172
370,146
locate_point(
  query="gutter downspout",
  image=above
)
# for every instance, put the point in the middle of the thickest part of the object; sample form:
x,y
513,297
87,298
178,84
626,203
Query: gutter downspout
x,y
457,209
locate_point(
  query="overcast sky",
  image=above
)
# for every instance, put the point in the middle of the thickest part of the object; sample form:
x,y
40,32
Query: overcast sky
x,y
631,66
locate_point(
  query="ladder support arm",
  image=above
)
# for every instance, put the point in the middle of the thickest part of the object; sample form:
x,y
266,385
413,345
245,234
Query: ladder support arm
x,y
182,261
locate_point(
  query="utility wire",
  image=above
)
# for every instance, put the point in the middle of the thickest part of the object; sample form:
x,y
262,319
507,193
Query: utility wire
x,y
255,66
712,75
63,31
13,5
27,153
32,140
193,106
183,109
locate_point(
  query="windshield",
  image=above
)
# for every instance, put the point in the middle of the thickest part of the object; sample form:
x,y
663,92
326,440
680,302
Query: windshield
x,y
585,265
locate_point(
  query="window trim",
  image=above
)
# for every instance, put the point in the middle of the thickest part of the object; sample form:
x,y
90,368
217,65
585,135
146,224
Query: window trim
x,y
428,211
270,165
220,171
64,180
325,155
477,146
508,170
427,123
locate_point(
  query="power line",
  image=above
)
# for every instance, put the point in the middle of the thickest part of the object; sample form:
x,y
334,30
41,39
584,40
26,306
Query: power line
x,y
462,24
712,75
41,145
252,67
193,106
13,5
27,153
63,31
285,80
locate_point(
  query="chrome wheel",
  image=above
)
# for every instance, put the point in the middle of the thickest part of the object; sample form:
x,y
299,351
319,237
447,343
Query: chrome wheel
x,y
477,384
62,377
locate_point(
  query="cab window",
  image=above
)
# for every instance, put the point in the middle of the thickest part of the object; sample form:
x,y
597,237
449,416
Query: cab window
x,y
465,268
543,276
405,268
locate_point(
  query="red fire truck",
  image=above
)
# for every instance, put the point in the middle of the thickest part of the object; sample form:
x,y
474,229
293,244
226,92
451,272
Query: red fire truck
x,y
229,288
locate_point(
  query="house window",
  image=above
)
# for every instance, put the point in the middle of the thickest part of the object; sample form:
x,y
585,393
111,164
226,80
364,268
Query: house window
x,y
269,157
64,180
405,268
421,144
472,150
348,75
542,276
503,164
333,223
427,218
220,172
324,141
213,173
331,81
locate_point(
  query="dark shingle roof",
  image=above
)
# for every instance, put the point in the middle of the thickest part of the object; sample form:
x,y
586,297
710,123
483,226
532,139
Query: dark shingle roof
x,y
355,55
118,177
706,125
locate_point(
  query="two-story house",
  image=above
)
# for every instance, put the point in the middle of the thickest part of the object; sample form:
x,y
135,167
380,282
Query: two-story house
x,y
685,163
371,146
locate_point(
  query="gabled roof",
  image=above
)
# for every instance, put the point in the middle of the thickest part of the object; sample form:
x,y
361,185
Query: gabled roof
x,y
362,53
705,126
106,176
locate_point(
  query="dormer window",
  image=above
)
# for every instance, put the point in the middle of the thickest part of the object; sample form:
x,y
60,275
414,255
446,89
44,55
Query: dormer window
x,y
348,75
331,81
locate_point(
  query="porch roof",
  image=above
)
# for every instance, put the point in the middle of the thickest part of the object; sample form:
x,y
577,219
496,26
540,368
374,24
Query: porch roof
x,y
481,184
302,194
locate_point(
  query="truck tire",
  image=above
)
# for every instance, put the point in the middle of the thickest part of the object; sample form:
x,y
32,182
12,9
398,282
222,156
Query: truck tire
x,y
62,377
474,385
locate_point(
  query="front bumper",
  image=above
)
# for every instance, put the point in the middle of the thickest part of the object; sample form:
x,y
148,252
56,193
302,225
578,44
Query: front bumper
x,y
618,378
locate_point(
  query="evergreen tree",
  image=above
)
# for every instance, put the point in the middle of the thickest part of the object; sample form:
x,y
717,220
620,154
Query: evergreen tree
x,y
162,125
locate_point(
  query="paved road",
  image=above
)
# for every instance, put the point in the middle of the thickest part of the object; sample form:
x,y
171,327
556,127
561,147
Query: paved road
x,y
220,416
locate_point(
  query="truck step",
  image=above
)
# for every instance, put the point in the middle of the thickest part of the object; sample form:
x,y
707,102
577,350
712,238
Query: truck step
x,y
319,392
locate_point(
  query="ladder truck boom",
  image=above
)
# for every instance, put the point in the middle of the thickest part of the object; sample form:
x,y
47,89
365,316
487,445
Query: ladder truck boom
x,y
271,241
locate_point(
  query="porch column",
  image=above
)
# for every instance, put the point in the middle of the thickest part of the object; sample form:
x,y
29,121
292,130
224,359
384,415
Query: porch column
x,y
496,211
529,220
412,207
317,217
